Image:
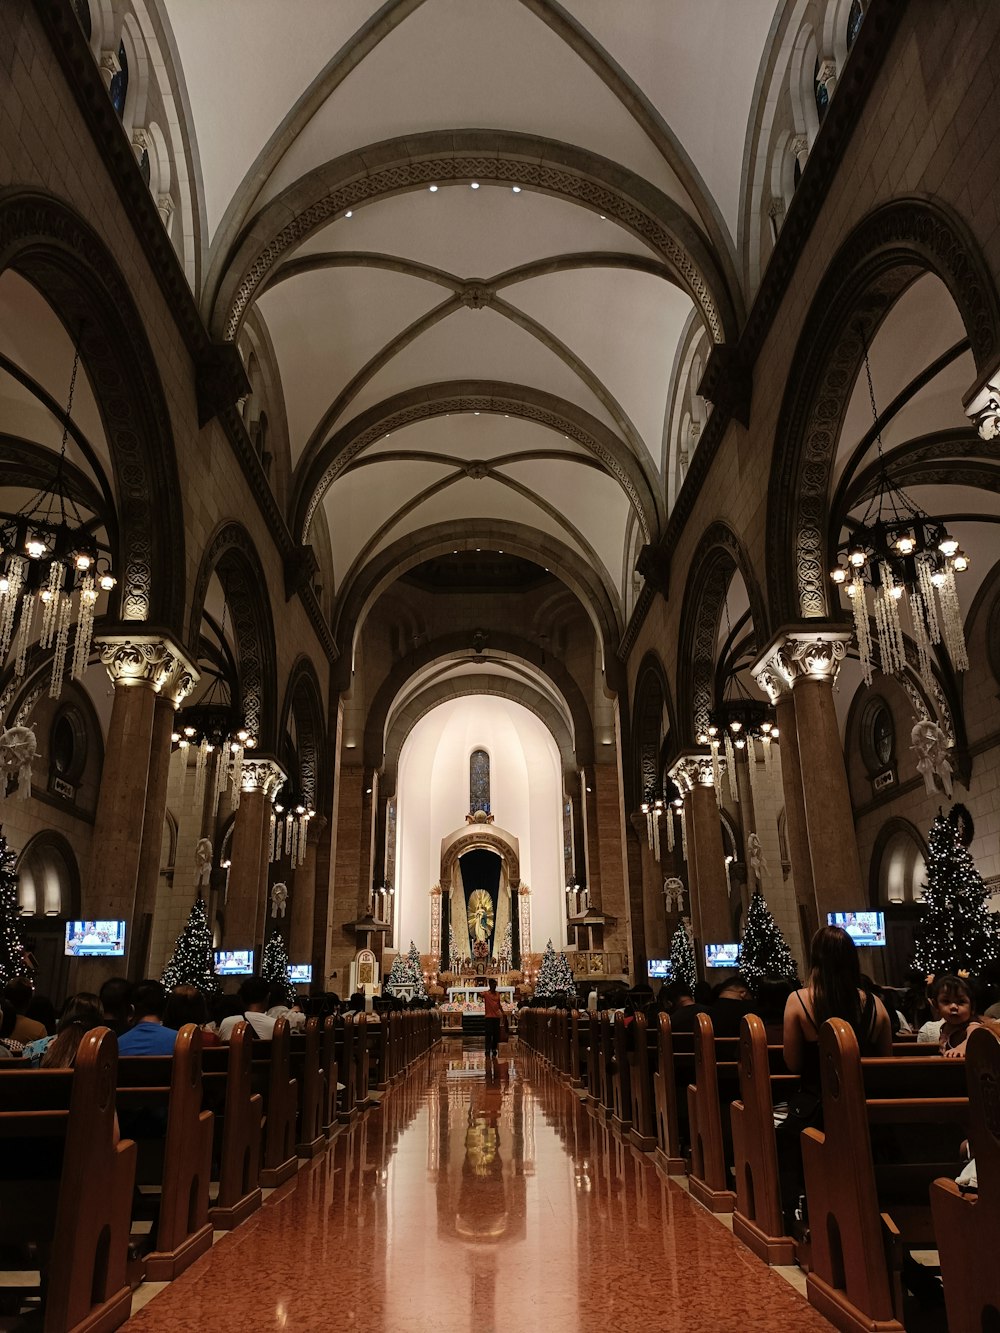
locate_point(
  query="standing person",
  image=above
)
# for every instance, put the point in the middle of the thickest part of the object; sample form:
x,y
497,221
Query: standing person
x,y
493,1010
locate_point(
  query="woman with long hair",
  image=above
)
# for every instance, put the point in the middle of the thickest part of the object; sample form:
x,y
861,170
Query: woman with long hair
x,y
81,1013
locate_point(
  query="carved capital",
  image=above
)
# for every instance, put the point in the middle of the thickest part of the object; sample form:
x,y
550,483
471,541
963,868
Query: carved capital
x,y
983,409
110,66
693,769
800,147
827,73
165,206
799,654
261,774
150,661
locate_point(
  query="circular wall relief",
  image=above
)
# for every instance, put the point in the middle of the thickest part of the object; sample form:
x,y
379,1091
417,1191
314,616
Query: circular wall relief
x,y
878,736
68,744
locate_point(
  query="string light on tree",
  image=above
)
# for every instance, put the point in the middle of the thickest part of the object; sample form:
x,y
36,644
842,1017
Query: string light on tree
x,y
555,976
192,961
11,947
957,932
274,965
763,951
682,964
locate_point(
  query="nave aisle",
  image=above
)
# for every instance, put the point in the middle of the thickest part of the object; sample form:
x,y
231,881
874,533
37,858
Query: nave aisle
x,y
478,1198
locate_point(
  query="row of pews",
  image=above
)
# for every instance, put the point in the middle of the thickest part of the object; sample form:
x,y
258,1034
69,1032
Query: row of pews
x,y
879,1177
119,1170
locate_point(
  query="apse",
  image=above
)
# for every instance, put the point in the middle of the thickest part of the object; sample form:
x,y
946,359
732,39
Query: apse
x,y
525,800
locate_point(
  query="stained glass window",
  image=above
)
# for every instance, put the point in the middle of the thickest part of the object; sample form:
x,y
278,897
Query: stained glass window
x,y
119,84
479,781
821,92
854,21
144,165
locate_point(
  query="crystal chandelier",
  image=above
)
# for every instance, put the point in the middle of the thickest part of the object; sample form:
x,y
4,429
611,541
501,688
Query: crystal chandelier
x,y
289,826
904,556
655,806
54,572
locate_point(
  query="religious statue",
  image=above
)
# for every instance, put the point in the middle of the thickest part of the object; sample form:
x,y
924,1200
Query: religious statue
x,y
18,748
931,745
757,863
203,859
279,899
673,895
481,916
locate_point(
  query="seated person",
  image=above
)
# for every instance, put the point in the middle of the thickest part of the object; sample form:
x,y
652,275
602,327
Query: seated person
x,y
953,1001
19,992
9,1048
116,1001
186,1004
148,1036
80,1015
253,993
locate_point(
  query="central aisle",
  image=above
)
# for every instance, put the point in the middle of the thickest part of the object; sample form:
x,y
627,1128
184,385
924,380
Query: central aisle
x,y
475,1200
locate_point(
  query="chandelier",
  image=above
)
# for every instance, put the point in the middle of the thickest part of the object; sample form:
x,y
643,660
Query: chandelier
x,y
905,557
54,572
654,806
289,825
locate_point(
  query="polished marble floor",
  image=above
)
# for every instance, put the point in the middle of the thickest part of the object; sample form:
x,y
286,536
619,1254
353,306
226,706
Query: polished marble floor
x,y
474,1199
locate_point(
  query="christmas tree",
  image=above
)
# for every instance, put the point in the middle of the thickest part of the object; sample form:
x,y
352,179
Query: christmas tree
x,y
274,965
11,948
764,952
398,975
682,964
956,932
555,974
414,972
192,963
452,948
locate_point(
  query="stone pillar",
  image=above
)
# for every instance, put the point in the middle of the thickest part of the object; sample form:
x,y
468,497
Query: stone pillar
x,y
302,900
352,863
608,813
708,881
325,855
132,797
246,895
803,663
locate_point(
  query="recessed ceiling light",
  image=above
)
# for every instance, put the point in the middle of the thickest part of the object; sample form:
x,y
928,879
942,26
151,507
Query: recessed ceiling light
x,y
433,189
499,552
516,189
349,213
603,218
475,185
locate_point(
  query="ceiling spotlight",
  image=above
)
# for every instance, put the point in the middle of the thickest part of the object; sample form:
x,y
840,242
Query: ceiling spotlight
x,y
475,185
349,213
433,189
515,189
603,218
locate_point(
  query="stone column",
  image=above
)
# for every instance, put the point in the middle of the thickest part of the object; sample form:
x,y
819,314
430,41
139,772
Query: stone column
x,y
608,813
246,895
302,900
800,667
129,816
708,882
352,863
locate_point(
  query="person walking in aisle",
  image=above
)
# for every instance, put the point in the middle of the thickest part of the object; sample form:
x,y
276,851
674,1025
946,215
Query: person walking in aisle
x,y
493,1010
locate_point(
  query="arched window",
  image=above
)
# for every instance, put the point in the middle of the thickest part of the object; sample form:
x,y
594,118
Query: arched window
x,y
119,84
854,21
822,94
82,9
144,166
479,782
796,173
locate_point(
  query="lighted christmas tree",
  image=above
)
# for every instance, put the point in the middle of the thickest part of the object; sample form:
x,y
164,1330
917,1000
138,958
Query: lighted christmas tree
x,y
452,948
415,975
682,964
398,975
192,962
274,965
11,948
956,933
555,975
763,952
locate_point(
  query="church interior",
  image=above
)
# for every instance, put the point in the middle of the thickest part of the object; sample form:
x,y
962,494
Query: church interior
x,y
499,631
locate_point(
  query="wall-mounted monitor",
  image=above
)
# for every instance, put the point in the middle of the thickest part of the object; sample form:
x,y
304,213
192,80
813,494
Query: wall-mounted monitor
x,y
866,929
95,939
722,955
233,962
659,967
300,973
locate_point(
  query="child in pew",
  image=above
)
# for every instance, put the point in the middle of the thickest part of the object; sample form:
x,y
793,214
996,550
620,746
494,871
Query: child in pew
x,y
834,991
956,1007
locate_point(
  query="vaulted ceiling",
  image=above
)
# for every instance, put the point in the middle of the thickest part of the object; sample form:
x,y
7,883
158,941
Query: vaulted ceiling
x,y
481,238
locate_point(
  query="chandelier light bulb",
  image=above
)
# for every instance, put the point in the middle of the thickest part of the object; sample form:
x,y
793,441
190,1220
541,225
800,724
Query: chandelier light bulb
x,y
4,584
183,744
83,561
896,592
736,725
960,562
175,736
234,747
279,809
740,743
107,582
702,738
906,543
713,730
243,736
774,733
948,545
839,575
189,732
35,548
857,557
939,578
45,595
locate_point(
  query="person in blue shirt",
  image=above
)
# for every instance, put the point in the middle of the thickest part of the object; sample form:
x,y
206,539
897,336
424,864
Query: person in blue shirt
x,y
148,1036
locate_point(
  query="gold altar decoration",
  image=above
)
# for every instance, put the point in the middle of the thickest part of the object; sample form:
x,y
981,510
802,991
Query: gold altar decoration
x,y
481,916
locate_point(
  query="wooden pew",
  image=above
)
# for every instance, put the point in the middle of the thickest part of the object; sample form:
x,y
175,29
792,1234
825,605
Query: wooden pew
x,y
381,1074
227,1090
361,1031
347,1064
621,1077
668,1154
273,1080
967,1225
307,1067
593,1060
579,1040
709,1178
330,1075
642,1058
757,1218
161,1097
864,1212
606,1067
66,1185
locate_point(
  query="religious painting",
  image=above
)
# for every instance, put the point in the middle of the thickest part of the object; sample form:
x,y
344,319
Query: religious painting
x,y
366,968
596,962
482,919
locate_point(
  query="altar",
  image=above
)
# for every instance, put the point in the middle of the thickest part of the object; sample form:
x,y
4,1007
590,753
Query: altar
x,y
470,998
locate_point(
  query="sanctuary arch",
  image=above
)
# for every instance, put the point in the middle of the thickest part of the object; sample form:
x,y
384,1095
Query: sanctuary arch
x,y
459,907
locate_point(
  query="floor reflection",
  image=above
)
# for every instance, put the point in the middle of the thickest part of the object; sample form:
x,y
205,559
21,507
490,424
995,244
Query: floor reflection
x,y
479,1196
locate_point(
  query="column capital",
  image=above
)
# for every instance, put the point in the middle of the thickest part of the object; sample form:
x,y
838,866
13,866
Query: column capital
x,y
801,652
152,661
262,773
693,769
982,406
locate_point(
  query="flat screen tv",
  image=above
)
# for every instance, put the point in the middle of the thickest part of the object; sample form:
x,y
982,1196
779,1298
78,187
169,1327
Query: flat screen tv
x,y
95,939
722,955
298,973
233,962
866,929
659,967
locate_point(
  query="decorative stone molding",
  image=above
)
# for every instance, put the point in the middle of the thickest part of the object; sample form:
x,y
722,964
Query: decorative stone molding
x,y
264,775
728,382
220,380
827,74
800,147
150,661
165,207
110,66
477,295
983,409
800,654
694,770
